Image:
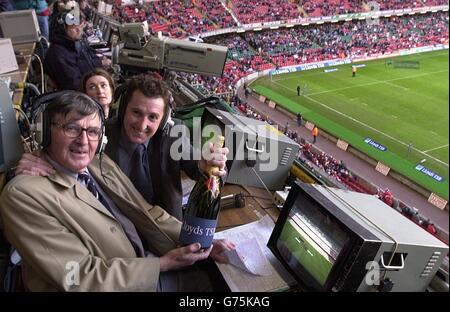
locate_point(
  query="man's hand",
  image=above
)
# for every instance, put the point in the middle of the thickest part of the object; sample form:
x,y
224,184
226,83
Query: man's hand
x,y
31,164
219,246
183,256
216,157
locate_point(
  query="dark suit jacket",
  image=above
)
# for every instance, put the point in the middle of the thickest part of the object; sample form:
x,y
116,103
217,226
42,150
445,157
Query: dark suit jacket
x,y
165,171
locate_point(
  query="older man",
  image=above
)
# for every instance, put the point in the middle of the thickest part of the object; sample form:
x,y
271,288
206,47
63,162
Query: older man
x,y
86,227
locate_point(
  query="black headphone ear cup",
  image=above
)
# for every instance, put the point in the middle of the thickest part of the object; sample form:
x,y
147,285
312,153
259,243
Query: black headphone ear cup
x,y
46,132
166,122
166,116
40,120
120,95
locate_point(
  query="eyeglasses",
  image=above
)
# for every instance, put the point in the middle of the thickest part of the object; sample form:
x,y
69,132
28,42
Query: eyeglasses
x,y
72,130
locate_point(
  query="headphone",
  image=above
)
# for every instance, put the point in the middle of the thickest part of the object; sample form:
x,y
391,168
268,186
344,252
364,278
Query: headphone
x,y
122,92
41,121
67,18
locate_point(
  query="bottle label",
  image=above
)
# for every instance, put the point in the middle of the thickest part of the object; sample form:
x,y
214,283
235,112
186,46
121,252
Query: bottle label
x,y
197,230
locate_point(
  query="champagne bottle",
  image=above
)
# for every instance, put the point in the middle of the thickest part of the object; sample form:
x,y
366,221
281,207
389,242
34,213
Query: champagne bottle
x,y
200,217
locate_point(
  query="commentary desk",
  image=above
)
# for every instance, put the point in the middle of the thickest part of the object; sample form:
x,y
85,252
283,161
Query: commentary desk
x,y
258,203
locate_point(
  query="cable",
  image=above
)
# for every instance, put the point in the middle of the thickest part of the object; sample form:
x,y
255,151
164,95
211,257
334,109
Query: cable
x,y
22,85
42,71
260,197
261,180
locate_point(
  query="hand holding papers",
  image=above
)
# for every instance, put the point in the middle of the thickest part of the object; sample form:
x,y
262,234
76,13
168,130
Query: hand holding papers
x,y
249,257
253,268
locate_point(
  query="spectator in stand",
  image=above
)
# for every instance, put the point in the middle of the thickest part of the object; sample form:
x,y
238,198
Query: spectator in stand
x,y
299,119
431,229
408,212
69,56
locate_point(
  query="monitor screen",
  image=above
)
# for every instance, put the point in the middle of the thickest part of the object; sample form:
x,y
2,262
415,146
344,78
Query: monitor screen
x,y
96,19
112,36
21,26
309,239
10,143
106,31
103,24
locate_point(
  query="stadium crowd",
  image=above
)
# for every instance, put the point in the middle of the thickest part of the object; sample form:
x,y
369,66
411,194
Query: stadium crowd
x,y
182,18
176,18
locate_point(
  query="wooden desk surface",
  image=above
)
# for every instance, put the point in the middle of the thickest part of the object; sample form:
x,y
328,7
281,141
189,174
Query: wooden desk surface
x,y
258,203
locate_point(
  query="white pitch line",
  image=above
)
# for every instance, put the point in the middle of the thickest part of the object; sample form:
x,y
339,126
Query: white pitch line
x,y
436,148
394,85
378,82
394,116
373,129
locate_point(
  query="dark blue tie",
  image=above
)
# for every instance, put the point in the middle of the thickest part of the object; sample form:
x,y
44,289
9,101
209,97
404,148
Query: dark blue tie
x,y
139,173
85,178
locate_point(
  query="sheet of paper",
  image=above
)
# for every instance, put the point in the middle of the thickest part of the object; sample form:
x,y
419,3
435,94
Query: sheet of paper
x,y
249,257
238,279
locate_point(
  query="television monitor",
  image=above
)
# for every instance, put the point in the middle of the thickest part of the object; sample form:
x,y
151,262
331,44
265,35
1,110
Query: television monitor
x,y
106,30
100,20
112,32
337,240
95,19
21,26
10,143
104,24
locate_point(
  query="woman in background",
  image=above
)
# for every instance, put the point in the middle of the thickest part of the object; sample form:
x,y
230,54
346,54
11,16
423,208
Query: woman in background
x,y
99,85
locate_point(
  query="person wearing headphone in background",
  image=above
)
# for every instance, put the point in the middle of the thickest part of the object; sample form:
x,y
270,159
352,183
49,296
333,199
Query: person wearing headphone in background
x,y
85,227
141,126
99,85
69,56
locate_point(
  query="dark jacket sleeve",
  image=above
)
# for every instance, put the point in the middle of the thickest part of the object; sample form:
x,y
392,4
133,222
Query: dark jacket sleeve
x,y
63,68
